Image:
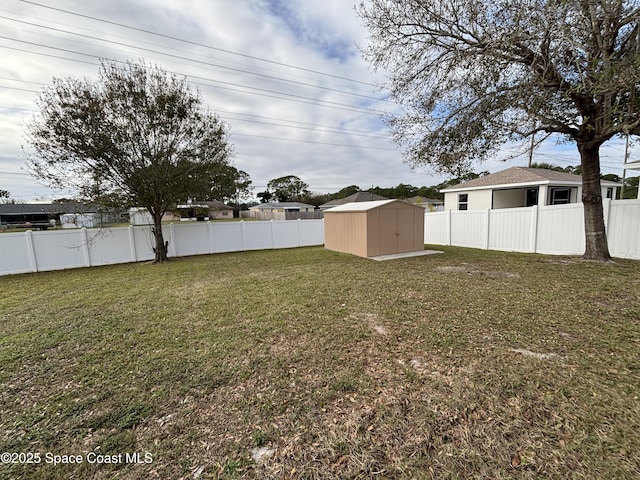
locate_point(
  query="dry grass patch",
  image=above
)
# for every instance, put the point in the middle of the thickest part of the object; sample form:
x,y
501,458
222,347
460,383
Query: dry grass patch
x,y
311,364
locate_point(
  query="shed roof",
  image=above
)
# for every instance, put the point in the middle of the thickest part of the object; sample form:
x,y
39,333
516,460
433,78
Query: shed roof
x,y
522,176
49,208
365,206
356,197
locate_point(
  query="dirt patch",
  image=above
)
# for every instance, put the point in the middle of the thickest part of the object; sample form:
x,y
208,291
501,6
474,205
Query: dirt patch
x,y
373,321
469,270
539,356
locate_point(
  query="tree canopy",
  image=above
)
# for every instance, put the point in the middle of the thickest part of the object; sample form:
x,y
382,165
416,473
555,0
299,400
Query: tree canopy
x,y
136,133
472,75
288,188
222,182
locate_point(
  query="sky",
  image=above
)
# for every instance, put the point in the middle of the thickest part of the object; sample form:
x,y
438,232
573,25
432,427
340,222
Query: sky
x,y
287,76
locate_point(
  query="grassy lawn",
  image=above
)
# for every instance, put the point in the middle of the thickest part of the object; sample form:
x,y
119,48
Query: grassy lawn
x,y
467,364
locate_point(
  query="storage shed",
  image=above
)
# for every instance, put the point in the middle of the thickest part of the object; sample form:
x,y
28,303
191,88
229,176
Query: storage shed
x,y
371,229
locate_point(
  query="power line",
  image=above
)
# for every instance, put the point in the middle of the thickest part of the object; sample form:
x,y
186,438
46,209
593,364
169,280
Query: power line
x,y
283,96
201,44
122,44
312,127
312,142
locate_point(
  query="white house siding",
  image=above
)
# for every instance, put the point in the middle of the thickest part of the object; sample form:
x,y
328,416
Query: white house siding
x,y
477,199
498,198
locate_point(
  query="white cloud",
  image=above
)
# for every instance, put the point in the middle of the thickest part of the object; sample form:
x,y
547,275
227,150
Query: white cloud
x,y
258,84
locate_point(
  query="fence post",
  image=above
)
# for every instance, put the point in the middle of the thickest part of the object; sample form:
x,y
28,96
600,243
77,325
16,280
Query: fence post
x,y
132,244
172,241
487,227
533,241
242,235
85,246
273,244
210,235
31,251
449,239
606,207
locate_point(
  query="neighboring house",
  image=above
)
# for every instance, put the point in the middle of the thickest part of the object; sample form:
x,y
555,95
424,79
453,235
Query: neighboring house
x,y
67,214
281,211
520,187
429,204
282,207
634,166
356,197
188,212
202,211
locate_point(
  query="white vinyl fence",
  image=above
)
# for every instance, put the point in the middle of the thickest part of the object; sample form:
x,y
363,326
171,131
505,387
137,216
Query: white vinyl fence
x,y
556,230
53,250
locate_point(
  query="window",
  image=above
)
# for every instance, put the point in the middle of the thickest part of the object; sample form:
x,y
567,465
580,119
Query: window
x,y
610,192
560,196
532,197
463,201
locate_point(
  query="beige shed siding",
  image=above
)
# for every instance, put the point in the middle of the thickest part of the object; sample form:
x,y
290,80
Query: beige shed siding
x,y
388,227
342,233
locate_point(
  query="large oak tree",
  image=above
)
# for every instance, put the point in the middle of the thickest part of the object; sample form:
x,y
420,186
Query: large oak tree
x,y
288,188
136,133
472,75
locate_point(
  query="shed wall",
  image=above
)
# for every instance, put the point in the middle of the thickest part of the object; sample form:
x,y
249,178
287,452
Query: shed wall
x,y
394,228
346,232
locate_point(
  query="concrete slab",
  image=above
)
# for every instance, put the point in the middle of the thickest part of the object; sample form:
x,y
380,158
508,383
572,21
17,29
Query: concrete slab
x,y
394,256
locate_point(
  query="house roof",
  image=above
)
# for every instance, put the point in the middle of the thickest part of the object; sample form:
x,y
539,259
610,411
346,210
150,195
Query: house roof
x,y
365,206
211,205
283,205
49,208
522,176
356,197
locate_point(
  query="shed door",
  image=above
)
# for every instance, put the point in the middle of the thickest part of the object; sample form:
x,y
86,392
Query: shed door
x,y
388,231
405,228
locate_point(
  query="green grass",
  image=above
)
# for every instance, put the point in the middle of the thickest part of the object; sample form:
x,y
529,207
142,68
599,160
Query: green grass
x,y
467,364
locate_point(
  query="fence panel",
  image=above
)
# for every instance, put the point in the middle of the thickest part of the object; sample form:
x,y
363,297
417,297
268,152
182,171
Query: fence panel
x,y
190,238
468,228
436,228
226,237
285,233
143,242
555,230
510,229
60,249
15,253
623,230
257,235
311,232
109,246
560,230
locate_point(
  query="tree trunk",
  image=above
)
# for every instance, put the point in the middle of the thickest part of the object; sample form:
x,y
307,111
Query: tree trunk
x,y
161,247
596,247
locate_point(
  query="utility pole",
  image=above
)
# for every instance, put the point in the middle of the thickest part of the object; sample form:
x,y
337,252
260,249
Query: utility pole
x,y
533,136
624,170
